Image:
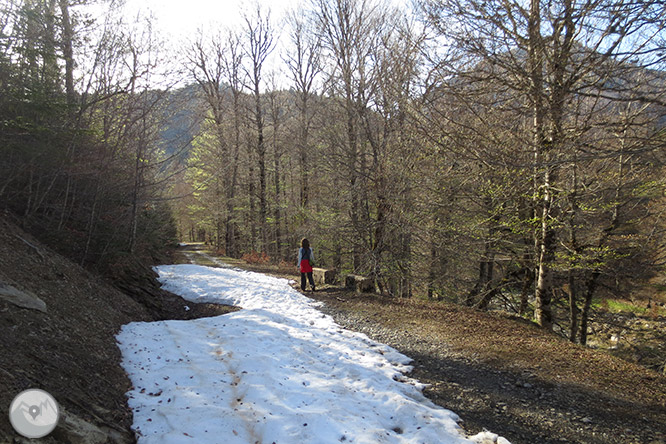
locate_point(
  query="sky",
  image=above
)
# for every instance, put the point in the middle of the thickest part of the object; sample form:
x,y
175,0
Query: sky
x,y
180,18
178,22
277,371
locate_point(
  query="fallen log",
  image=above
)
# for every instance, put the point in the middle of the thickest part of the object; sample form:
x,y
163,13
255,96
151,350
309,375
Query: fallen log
x,y
324,276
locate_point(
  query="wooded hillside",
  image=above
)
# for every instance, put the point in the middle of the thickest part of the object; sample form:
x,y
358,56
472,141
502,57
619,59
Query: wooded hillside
x,y
80,120
496,154
488,154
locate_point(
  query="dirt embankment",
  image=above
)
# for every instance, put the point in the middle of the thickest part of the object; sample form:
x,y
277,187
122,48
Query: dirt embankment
x,y
65,344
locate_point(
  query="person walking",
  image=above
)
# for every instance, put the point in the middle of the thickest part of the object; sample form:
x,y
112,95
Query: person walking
x,y
305,261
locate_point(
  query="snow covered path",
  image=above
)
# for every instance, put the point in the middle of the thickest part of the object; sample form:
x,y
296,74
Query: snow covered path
x,y
278,371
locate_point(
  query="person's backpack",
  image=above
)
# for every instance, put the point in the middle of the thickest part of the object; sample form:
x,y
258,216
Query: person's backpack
x,y
306,256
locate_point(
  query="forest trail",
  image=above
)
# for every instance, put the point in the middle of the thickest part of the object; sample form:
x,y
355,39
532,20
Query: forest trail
x,y
503,373
276,371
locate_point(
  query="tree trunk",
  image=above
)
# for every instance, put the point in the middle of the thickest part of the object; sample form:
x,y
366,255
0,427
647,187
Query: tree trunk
x,y
573,246
352,159
252,216
231,240
303,151
260,45
278,213
261,157
432,272
573,307
590,287
543,312
68,54
544,239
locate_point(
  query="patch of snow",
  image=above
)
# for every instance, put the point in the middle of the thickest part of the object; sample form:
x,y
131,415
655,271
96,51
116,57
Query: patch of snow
x,y
278,371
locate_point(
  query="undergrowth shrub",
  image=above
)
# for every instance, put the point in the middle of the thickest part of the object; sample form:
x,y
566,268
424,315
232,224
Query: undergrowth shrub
x,y
256,258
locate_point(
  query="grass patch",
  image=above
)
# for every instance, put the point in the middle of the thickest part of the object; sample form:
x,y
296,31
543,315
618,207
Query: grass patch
x,y
624,306
619,306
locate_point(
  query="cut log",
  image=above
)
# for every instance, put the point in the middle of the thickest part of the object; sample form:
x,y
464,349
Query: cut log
x,y
359,283
324,276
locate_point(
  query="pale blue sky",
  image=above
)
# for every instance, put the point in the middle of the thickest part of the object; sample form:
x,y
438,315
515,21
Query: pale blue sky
x,y
178,18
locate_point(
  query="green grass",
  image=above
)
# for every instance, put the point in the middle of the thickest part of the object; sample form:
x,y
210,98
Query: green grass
x,y
623,306
618,306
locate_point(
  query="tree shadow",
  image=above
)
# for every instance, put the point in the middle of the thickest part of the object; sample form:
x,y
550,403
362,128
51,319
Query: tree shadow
x,y
527,410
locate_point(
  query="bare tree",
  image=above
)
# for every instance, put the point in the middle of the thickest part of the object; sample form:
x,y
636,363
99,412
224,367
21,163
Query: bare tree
x,y
259,44
304,63
87,159
277,106
545,55
348,33
232,67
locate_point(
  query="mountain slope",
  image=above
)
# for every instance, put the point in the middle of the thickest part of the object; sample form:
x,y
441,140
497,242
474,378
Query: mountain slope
x,y
69,350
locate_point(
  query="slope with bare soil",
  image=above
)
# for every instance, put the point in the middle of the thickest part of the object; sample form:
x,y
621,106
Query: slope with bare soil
x,y
511,377
68,348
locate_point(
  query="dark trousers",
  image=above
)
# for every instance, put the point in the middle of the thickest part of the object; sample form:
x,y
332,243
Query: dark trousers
x,y
310,278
